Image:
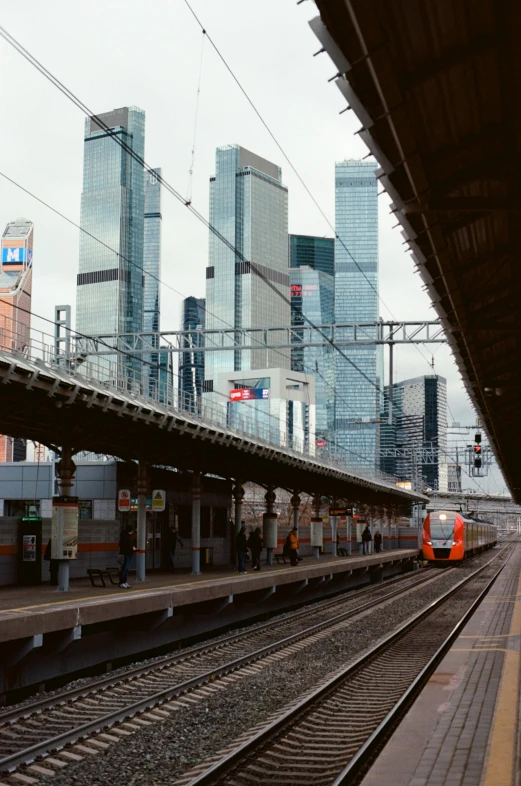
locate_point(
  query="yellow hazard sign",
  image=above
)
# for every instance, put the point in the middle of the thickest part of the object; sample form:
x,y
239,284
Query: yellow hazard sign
x,y
158,500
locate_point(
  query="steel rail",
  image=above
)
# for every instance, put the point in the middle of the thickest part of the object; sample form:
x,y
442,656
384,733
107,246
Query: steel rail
x,y
228,762
57,742
392,718
113,680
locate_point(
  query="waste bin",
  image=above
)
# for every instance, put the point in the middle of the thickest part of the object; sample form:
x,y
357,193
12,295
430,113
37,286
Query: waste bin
x,y
206,557
30,551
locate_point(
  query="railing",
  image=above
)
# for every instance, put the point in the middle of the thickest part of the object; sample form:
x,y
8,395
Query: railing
x,y
123,371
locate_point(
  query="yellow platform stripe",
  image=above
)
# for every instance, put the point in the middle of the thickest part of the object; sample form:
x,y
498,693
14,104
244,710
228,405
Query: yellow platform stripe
x,y
500,767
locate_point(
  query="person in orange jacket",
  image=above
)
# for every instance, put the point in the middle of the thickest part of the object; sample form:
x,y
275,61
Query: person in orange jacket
x,y
293,546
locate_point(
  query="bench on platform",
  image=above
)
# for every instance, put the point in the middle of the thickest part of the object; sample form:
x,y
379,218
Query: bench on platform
x,y
342,552
101,574
281,559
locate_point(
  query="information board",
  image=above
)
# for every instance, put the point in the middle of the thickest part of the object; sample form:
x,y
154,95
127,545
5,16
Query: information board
x,y
64,537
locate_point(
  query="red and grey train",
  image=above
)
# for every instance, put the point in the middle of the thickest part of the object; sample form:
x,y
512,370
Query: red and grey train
x,y
450,537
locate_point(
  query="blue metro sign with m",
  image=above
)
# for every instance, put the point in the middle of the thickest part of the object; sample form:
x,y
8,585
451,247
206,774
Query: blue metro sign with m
x,y
13,256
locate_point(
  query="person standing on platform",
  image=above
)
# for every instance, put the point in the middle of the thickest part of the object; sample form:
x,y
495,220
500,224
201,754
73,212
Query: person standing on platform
x,y
241,545
256,544
126,550
54,565
293,545
173,540
377,542
366,539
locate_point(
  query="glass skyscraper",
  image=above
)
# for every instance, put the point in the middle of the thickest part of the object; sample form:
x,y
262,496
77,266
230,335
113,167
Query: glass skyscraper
x,y
315,252
312,298
191,364
419,427
157,367
249,207
110,280
357,404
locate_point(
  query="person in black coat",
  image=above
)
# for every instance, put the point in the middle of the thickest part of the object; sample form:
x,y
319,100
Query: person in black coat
x,y
366,539
256,544
126,550
241,544
377,541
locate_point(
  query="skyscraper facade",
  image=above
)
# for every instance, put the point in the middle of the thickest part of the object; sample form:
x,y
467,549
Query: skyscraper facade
x,y
312,300
152,250
191,363
249,208
414,444
110,279
357,401
157,367
15,306
317,253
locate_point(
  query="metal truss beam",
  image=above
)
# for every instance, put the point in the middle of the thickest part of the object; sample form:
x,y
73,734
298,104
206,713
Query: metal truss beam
x,y
251,339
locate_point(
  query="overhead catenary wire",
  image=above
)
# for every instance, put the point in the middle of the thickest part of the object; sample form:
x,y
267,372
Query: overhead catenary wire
x,y
198,94
145,272
290,163
188,204
102,125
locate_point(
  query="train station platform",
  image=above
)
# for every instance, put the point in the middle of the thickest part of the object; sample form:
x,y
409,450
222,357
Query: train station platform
x,y
93,626
464,728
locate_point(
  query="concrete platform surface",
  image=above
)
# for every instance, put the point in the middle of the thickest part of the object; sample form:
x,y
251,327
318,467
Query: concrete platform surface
x,y
463,728
27,611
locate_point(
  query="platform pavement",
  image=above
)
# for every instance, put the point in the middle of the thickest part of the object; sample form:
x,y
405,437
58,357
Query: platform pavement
x,y
463,728
29,610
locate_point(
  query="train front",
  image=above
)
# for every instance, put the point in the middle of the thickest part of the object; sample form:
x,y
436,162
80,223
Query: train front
x,y
442,540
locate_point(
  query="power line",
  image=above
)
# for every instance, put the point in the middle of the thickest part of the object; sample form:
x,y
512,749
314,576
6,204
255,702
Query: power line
x,y
72,97
102,125
291,165
122,256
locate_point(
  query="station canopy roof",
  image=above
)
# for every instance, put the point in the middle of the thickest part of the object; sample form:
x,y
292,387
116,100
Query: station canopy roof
x,y
436,86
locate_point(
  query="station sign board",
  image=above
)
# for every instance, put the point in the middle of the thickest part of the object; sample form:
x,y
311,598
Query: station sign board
x,y
340,511
249,394
321,443
405,484
64,530
124,499
158,500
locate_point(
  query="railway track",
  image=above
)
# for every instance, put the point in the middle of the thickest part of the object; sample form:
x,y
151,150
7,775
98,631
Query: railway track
x,y
42,727
326,737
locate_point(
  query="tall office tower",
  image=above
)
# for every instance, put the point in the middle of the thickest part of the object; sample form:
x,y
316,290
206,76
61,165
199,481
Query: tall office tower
x,y
249,208
317,253
357,404
312,300
157,367
15,306
191,363
110,280
414,445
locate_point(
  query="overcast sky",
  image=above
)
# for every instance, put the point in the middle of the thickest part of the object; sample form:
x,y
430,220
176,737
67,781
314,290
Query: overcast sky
x,y
113,53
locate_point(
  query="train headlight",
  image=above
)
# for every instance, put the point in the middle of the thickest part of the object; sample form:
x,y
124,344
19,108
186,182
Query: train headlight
x,y
454,542
429,543
442,517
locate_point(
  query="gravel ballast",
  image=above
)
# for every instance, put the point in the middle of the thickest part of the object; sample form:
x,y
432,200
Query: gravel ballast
x,y
161,753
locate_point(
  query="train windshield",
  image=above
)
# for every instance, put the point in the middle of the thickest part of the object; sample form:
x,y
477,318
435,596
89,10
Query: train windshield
x,y
442,526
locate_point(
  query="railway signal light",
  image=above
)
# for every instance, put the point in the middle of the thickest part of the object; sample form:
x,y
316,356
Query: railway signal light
x,y
477,439
477,456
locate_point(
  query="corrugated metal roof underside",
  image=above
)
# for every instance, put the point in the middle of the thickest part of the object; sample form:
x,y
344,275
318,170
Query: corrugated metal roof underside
x,y
435,84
